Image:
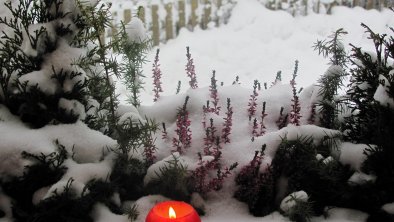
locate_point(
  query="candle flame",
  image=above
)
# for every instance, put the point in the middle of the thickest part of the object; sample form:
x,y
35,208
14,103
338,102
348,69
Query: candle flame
x,y
171,213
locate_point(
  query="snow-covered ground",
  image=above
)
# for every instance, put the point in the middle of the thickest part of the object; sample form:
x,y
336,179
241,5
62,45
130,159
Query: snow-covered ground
x,y
254,45
257,43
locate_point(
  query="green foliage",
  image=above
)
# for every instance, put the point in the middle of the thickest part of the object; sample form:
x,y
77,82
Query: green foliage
x,y
332,81
128,176
334,48
134,56
172,181
68,206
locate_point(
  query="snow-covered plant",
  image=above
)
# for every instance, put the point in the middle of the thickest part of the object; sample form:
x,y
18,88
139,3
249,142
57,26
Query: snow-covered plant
x,y
46,170
42,80
157,89
294,117
214,95
252,105
183,132
371,96
228,122
332,80
133,46
190,70
297,207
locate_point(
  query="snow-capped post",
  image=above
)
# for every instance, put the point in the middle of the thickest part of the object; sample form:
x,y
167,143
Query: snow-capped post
x,y
294,117
157,89
253,100
228,122
214,94
184,139
190,70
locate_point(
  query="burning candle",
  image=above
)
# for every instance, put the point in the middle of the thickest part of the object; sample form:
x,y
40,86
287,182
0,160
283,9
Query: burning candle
x,y
172,211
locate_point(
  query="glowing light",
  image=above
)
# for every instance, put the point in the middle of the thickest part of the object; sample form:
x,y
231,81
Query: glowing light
x,y
171,213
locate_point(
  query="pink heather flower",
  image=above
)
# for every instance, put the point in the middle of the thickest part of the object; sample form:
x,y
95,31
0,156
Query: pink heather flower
x,y
214,94
183,129
252,101
228,122
157,89
202,172
190,71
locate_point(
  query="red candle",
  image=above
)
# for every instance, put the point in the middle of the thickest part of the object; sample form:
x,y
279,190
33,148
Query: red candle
x,y
172,211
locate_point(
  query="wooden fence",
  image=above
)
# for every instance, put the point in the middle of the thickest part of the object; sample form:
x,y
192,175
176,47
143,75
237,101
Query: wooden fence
x,y
164,21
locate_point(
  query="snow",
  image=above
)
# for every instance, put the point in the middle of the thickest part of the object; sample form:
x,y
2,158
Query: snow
x,y
353,155
381,95
291,200
101,213
136,31
389,208
255,44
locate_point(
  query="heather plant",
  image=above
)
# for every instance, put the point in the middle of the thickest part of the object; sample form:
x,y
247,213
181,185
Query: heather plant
x,y
157,89
252,105
228,122
190,70
201,181
210,138
183,132
214,95
256,188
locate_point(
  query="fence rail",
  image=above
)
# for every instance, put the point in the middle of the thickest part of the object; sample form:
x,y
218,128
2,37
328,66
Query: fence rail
x,y
165,20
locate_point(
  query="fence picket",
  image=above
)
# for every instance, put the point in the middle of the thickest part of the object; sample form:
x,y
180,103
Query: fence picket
x,y
169,25
155,25
182,15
